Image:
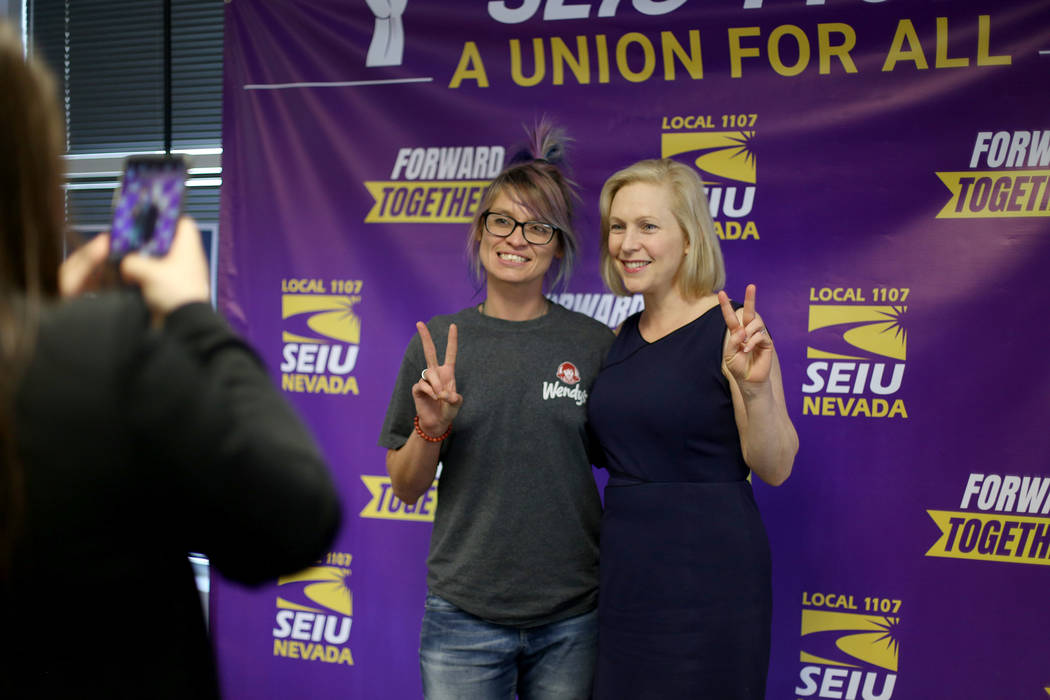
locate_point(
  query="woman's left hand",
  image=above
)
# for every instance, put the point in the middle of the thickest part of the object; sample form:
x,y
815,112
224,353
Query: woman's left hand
x,y
82,271
748,353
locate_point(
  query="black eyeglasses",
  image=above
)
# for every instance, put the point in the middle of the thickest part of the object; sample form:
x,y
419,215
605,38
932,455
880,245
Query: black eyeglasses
x,y
535,232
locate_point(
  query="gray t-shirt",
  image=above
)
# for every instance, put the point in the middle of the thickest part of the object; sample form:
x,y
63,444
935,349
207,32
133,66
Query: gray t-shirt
x,y
515,537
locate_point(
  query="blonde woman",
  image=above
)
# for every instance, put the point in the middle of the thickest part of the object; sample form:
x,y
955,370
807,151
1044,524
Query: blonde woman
x,y
685,568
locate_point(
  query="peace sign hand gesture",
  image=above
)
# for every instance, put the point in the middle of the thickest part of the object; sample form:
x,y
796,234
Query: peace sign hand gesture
x,y
437,402
748,354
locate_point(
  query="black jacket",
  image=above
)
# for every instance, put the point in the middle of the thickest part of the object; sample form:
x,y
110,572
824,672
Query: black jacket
x,y
138,445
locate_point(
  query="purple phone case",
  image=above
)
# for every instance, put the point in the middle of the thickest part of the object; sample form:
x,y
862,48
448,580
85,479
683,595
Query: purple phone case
x,y
148,207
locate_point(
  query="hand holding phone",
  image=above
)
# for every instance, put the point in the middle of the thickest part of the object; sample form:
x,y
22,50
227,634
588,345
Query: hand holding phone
x,y
180,277
148,205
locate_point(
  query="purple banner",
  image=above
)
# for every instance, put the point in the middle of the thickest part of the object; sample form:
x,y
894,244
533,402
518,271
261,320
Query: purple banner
x,y
880,170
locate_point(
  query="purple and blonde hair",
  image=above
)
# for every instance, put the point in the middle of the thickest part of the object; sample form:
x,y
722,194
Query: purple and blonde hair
x,y
534,180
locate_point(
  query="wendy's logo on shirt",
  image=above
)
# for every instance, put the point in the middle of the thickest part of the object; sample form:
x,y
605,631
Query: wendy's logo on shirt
x,y
315,610
570,377
568,373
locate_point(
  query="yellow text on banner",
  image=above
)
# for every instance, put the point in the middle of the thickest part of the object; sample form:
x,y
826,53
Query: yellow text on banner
x,y
386,506
996,194
418,202
999,537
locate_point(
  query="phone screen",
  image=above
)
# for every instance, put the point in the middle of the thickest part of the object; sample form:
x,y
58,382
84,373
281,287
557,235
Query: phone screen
x,y
148,206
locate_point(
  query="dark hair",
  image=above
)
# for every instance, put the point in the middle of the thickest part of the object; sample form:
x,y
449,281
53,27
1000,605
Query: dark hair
x,y
31,230
534,179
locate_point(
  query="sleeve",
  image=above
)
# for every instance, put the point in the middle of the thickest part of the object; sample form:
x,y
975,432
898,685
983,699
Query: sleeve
x,y
246,480
397,425
595,452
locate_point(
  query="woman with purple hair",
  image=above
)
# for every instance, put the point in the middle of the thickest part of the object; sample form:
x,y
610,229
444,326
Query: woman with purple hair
x,y
513,564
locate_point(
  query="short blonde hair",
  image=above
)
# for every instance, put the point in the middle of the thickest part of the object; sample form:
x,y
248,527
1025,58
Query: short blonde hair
x,y
703,271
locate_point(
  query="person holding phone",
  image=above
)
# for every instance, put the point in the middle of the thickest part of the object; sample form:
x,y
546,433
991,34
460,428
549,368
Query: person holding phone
x,y
686,596
497,394
134,427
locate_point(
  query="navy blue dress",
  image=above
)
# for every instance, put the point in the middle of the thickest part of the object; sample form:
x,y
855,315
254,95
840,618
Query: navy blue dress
x,y
685,600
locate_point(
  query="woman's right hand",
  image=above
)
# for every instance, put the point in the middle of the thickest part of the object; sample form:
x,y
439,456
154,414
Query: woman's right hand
x,y
437,402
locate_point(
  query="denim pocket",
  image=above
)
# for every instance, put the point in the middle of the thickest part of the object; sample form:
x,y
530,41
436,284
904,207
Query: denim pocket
x,y
438,604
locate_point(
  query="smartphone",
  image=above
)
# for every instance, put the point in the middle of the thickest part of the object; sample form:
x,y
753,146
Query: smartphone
x,y
147,206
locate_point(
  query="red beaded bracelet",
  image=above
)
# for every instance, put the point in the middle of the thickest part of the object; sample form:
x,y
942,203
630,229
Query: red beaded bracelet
x,y
428,438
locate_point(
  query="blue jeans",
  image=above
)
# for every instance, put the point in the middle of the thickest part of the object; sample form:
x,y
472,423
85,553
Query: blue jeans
x,y
462,656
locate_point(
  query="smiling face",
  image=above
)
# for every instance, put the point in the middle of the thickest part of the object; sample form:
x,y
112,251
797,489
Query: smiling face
x,y
645,240
513,260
